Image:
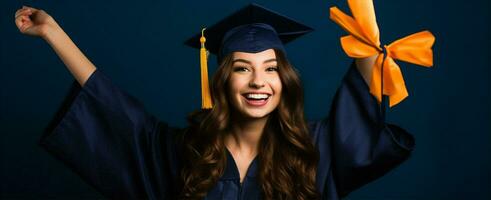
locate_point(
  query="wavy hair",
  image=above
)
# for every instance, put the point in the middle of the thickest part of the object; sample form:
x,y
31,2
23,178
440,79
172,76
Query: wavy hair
x,y
287,157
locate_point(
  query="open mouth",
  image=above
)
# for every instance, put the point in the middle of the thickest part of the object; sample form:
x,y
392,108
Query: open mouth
x,y
256,99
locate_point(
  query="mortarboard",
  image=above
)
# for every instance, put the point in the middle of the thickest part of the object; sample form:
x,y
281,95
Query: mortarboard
x,y
251,29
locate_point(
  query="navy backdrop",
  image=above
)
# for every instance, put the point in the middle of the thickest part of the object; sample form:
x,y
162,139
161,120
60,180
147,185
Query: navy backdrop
x,y
139,45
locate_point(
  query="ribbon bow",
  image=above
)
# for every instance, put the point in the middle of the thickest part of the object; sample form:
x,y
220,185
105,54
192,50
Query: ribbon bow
x,y
364,41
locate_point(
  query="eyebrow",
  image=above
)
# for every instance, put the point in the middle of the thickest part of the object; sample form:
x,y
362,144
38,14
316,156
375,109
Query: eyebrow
x,y
249,62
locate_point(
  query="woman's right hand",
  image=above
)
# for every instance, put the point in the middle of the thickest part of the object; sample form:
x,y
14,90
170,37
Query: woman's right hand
x,y
31,21
34,22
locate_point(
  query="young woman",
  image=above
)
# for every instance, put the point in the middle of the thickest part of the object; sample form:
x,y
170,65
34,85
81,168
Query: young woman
x,y
253,143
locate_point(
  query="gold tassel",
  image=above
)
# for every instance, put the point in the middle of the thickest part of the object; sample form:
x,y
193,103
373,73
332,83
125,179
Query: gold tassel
x,y
205,88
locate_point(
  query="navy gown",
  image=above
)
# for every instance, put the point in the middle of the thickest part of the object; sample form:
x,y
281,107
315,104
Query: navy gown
x,y
108,138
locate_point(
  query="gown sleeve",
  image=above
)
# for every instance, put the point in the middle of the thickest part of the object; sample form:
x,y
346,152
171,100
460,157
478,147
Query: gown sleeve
x,y
108,139
355,144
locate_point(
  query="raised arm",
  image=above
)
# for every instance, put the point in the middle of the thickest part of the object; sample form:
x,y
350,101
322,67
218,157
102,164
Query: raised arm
x,y
102,133
356,146
34,22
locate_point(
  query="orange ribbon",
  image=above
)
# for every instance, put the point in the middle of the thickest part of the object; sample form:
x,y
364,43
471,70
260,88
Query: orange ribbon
x,y
364,41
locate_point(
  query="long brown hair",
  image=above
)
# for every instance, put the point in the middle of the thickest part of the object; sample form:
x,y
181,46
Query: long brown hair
x,y
287,158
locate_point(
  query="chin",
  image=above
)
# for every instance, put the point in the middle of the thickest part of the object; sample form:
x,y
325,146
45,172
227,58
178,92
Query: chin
x,y
256,113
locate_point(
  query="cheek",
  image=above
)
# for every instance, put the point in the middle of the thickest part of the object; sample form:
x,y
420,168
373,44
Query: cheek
x,y
234,87
277,86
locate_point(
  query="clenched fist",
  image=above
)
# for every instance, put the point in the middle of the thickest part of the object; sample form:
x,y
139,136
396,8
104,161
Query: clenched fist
x,y
31,21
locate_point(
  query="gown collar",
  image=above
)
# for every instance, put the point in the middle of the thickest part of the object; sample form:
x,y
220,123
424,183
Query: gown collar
x,y
231,170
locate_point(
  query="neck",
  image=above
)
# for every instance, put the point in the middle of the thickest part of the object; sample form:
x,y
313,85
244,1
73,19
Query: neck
x,y
245,135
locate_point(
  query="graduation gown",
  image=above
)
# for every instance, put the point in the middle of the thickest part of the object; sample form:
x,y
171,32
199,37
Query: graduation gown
x,y
109,139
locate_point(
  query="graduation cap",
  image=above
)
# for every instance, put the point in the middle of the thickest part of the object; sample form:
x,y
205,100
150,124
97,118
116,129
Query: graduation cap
x,y
251,29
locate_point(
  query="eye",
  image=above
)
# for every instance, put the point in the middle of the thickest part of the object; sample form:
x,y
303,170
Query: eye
x,y
240,69
272,69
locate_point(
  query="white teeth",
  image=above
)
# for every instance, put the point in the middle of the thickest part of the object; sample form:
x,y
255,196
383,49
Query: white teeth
x,y
257,96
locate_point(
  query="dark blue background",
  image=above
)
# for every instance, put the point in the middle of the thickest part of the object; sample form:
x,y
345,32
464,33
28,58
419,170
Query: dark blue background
x,y
139,45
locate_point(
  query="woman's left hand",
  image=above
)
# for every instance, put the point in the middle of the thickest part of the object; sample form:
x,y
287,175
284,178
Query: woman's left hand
x,y
364,66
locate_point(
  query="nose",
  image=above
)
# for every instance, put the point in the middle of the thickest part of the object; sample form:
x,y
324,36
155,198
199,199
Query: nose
x,y
257,80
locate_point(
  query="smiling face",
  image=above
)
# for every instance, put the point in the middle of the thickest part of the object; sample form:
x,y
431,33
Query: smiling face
x,y
254,84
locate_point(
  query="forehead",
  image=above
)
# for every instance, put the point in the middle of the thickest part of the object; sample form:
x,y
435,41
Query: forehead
x,y
255,57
